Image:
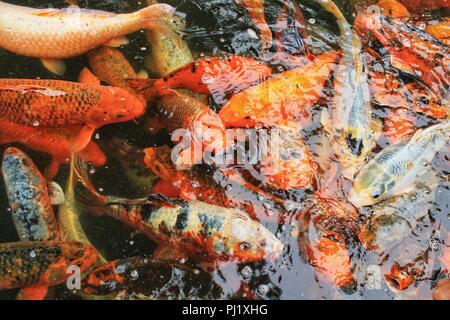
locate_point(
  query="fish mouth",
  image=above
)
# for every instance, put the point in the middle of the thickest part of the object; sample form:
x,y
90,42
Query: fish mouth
x,y
358,200
274,250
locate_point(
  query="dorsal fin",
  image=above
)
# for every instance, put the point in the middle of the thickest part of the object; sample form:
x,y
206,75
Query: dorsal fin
x,y
73,10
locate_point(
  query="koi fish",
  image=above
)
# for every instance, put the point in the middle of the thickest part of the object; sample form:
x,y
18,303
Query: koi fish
x,y
168,50
395,168
110,65
205,127
416,6
69,215
327,253
394,9
292,167
28,196
58,143
55,103
41,263
442,290
56,34
31,207
285,96
391,221
255,9
388,89
219,77
440,30
195,229
221,187
350,124
421,55
145,278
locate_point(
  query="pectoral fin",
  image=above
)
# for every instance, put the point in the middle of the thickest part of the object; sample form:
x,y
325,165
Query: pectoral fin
x,y
56,193
87,77
57,67
82,139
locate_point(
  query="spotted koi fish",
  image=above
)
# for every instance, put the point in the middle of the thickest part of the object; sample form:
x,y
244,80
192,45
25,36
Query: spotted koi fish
x,y
43,263
194,229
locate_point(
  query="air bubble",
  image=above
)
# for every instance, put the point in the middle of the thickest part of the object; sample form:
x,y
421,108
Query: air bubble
x,y
33,254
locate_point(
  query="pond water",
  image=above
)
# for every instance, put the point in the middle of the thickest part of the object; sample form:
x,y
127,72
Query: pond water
x,y
214,27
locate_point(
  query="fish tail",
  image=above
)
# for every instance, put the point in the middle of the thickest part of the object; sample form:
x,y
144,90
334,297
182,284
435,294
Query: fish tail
x,y
157,16
86,194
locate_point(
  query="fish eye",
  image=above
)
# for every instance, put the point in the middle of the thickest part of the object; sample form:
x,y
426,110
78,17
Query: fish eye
x,y
378,193
244,246
263,243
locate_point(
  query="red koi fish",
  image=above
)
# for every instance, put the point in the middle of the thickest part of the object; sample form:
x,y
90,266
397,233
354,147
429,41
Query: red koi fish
x,y
411,50
218,77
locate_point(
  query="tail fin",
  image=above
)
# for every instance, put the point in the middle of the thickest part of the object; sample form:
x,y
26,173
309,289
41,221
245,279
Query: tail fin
x,y
86,194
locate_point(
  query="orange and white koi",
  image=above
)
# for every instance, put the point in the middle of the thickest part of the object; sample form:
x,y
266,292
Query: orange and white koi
x,y
56,34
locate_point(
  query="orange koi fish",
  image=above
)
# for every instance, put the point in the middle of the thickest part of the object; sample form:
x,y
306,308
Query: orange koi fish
x,y
388,89
285,96
411,50
55,103
41,263
218,77
324,229
394,9
56,34
58,143
440,30
442,291
291,167
255,9
417,6
110,65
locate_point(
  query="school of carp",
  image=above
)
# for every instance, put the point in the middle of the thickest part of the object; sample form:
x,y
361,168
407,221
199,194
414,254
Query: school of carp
x,y
363,149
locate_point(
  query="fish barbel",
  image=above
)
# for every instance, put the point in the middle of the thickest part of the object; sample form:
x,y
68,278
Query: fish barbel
x,y
394,170
55,34
350,122
28,197
193,229
56,103
43,263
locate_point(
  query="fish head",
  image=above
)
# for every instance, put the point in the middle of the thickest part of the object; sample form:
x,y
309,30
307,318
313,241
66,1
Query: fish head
x,y
251,241
370,187
15,158
116,105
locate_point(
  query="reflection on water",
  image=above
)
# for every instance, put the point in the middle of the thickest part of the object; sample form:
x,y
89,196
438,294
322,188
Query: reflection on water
x,y
215,27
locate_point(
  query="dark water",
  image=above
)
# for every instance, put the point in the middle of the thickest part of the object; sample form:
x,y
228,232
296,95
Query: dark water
x,y
217,26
